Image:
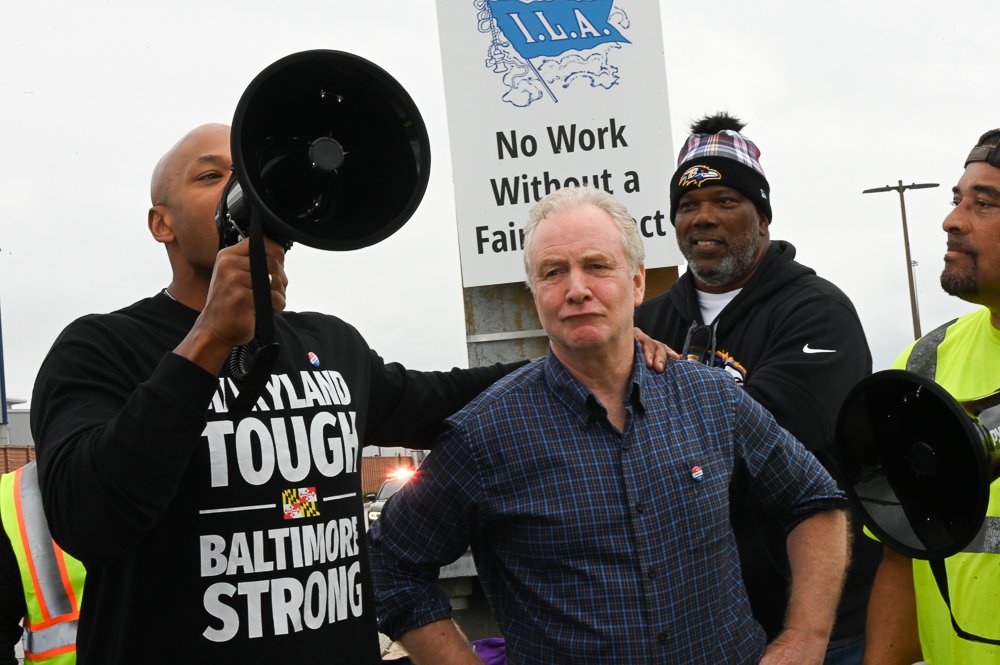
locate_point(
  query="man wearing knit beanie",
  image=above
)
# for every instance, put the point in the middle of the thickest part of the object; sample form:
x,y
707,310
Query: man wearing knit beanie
x,y
791,338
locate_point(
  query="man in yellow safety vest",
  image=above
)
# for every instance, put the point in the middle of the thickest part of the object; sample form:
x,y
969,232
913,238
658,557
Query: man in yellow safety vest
x,y
51,581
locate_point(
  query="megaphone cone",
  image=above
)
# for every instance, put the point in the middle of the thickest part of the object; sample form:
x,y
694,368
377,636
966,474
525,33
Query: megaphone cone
x,y
916,464
329,150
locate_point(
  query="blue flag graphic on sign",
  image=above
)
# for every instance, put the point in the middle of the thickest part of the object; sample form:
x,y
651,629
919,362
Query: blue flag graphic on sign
x,y
551,27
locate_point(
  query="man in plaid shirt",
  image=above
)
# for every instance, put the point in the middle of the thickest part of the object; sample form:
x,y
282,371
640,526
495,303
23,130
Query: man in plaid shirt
x,y
595,493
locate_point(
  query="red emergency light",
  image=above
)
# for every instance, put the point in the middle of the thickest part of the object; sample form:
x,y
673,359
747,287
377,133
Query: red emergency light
x,y
403,473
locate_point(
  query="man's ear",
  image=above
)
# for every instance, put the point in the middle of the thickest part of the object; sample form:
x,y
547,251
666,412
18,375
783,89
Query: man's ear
x,y
159,224
764,228
639,284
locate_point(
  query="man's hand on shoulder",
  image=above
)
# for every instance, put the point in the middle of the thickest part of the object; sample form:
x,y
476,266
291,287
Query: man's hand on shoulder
x,y
655,352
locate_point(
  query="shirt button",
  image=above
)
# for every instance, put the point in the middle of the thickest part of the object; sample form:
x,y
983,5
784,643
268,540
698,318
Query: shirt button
x,y
662,638
641,508
651,573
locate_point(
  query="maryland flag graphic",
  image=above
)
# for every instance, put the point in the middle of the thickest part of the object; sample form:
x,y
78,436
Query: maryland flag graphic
x,y
299,502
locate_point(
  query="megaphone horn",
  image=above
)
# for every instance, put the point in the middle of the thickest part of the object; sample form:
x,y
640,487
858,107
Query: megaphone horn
x,y
329,151
917,464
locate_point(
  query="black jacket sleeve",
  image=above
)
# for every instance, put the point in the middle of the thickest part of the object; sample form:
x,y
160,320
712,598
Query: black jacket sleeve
x,y
111,454
407,407
12,605
815,354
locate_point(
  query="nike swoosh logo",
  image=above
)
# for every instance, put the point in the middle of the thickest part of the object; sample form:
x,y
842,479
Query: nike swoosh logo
x,y
807,349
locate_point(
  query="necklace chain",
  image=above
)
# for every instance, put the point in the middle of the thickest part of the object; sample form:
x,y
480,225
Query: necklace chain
x,y
169,295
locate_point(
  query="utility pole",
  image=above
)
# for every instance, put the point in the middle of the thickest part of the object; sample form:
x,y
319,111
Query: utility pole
x,y
906,242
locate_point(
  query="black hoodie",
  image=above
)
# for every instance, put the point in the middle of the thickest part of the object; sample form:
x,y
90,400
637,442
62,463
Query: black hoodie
x,y
796,344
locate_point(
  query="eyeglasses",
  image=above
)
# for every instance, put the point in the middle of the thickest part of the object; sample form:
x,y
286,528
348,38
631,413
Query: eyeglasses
x,y
699,345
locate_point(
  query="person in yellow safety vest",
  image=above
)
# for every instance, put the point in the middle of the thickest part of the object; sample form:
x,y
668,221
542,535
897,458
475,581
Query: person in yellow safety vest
x,y
50,581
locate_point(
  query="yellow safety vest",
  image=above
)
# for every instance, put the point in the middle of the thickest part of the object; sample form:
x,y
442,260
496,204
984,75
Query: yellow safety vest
x,y
52,579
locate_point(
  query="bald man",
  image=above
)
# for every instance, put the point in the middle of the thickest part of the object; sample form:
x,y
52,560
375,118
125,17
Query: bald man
x,y
211,537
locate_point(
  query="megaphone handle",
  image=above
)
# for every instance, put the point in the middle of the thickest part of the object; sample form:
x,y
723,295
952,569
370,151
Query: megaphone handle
x,y
941,577
260,355
259,278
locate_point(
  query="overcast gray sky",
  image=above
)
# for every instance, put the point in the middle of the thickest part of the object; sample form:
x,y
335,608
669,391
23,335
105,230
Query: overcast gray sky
x,y
839,96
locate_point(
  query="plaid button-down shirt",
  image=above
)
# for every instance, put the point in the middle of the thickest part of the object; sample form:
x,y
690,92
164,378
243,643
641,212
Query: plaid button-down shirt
x,y
594,545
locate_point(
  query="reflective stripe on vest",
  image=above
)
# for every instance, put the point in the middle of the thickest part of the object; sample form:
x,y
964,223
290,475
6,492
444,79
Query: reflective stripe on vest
x,y
923,356
52,580
40,645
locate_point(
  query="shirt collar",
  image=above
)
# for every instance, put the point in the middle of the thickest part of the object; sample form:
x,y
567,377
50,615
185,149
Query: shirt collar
x,y
579,399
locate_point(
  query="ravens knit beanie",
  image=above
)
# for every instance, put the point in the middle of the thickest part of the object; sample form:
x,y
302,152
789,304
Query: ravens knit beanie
x,y
717,153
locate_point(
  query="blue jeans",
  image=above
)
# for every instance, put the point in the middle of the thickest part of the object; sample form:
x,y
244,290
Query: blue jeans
x,y
847,651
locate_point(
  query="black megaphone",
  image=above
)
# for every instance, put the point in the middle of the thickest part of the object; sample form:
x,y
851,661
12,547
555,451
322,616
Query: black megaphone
x,y
328,150
917,464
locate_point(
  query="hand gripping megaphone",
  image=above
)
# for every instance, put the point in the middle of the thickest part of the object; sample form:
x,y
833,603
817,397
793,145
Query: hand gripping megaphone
x,y
916,463
329,151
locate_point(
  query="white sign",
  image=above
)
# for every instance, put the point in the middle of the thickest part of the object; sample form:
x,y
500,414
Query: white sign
x,y
543,94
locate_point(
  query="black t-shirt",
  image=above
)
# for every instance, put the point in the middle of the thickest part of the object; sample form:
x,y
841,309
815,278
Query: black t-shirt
x,y
210,538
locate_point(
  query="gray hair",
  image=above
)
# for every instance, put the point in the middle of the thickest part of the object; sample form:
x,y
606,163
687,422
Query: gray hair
x,y
572,197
